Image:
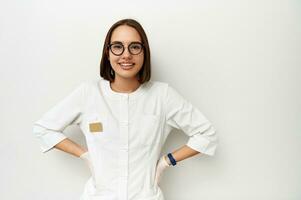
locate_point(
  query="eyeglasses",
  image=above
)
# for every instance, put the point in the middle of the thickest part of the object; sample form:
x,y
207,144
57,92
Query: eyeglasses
x,y
134,48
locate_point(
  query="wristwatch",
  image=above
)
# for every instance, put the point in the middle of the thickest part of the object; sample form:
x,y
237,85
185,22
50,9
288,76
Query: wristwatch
x,y
172,159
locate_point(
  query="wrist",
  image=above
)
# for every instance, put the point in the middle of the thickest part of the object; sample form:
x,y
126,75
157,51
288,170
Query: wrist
x,y
167,160
83,154
171,159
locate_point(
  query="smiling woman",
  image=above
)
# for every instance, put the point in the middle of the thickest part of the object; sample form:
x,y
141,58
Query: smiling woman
x,y
124,63
126,54
126,118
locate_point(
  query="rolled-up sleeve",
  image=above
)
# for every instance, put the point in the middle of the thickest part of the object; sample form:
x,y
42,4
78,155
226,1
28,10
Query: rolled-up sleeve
x,y
49,128
181,114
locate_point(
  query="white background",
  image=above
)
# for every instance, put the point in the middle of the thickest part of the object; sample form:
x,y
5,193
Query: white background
x,y
237,61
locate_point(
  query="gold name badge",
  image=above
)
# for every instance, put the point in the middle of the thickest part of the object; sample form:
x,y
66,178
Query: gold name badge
x,y
95,127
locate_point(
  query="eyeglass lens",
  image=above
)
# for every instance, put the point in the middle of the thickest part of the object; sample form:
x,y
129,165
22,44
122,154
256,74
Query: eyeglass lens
x,y
118,48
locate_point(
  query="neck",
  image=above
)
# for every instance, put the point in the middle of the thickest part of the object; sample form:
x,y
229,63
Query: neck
x,y
124,85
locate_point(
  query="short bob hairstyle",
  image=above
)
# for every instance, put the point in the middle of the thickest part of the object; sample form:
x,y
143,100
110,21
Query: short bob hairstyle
x,y
106,70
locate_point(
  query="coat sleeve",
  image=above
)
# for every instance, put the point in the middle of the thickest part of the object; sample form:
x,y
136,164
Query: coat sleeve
x,y
181,114
48,129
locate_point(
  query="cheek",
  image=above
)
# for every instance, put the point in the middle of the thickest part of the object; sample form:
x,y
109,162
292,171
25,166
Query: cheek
x,y
113,59
140,60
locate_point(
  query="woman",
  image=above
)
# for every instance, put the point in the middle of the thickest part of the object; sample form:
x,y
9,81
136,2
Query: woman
x,y
125,119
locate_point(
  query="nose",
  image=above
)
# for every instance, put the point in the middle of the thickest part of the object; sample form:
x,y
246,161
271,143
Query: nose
x,y
126,53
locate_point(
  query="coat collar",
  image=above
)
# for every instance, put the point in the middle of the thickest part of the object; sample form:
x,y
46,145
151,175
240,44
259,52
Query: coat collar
x,y
106,88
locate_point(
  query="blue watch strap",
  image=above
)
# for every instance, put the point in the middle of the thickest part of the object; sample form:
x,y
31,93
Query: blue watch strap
x,y
172,160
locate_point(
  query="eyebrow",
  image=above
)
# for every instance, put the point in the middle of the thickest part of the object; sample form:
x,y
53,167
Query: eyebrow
x,y
117,42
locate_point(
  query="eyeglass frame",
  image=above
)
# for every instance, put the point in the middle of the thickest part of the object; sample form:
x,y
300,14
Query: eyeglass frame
x,y
128,47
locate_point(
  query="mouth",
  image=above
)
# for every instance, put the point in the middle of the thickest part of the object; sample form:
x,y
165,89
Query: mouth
x,y
126,66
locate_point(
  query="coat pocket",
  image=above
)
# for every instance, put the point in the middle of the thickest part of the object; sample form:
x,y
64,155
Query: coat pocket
x,y
147,129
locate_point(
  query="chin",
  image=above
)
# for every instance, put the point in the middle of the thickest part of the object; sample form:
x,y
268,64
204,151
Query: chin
x,y
127,75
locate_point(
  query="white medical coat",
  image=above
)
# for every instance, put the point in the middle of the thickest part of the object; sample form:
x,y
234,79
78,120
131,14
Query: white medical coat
x,y
134,126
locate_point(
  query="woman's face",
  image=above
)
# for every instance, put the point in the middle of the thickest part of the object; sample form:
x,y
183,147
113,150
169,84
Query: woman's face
x,y
126,65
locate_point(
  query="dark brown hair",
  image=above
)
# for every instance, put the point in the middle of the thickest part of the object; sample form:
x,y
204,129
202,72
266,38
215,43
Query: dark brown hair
x,y
106,70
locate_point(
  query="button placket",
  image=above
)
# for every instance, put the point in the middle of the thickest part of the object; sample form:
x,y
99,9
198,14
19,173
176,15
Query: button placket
x,y
123,149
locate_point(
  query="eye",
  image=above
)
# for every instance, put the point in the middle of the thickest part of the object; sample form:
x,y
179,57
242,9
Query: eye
x,y
136,46
117,46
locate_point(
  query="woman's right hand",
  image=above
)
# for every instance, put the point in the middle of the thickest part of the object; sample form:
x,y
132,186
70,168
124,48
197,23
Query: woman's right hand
x,y
86,157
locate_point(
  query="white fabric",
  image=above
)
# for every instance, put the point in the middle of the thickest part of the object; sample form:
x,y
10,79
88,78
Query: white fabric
x,y
125,151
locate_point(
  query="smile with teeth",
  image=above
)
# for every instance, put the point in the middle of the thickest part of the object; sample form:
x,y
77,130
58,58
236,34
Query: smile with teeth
x,y
126,65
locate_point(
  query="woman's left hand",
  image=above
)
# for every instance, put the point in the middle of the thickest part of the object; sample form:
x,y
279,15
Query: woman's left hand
x,y
162,164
